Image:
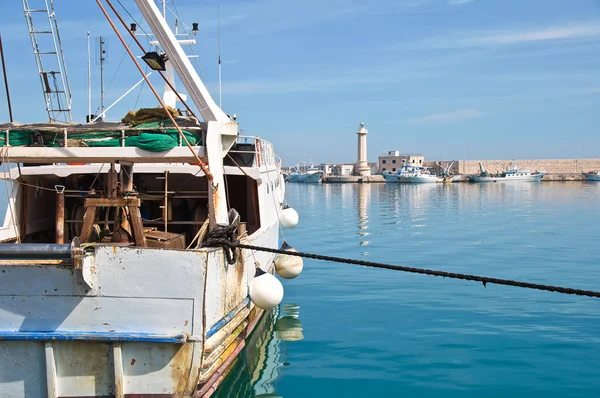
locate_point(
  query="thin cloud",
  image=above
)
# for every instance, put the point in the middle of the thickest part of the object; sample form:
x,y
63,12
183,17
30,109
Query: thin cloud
x,y
589,90
459,2
554,33
449,117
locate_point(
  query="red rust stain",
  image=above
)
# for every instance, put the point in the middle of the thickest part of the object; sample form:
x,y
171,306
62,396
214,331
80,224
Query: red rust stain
x,y
133,362
106,324
97,308
185,323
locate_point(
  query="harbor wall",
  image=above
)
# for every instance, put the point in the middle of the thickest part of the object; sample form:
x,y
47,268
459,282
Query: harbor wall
x,y
552,166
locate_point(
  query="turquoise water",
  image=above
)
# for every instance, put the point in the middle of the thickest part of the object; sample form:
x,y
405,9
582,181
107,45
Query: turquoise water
x,y
370,332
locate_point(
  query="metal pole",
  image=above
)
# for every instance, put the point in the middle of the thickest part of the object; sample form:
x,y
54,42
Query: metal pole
x,y
120,98
6,82
101,74
60,215
89,71
219,52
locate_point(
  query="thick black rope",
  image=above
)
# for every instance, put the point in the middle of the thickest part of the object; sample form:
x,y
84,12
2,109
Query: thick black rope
x,y
483,279
225,237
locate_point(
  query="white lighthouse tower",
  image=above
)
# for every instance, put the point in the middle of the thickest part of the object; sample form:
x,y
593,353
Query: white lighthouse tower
x,y
362,167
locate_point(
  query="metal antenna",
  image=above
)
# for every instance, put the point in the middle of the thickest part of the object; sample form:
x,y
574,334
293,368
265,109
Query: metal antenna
x,y
219,53
101,59
89,77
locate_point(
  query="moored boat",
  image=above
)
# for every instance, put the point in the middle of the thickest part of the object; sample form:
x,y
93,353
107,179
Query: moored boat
x,y
592,175
512,175
423,178
110,285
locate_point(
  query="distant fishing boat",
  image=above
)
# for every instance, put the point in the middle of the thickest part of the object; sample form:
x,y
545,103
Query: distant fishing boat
x,y
511,175
401,176
310,175
592,175
422,178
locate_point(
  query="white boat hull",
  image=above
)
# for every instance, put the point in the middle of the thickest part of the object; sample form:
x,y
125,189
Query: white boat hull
x,y
312,178
512,178
424,179
592,176
391,178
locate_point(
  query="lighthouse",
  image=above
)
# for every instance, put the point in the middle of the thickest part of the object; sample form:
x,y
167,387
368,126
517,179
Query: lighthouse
x,y
362,167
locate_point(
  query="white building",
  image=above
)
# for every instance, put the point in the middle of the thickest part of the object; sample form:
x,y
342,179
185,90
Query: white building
x,y
394,160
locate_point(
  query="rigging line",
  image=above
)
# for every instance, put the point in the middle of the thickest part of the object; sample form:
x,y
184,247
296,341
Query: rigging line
x,y
117,70
141,89
142,48
424,271
159,99
185,27
132,18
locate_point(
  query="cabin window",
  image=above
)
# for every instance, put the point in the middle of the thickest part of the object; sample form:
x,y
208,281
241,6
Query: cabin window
x,y
393,160
384,169
394,169
383,161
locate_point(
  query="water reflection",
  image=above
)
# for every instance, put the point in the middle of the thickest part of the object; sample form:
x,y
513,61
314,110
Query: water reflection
x,y
364,195
259,367
288,327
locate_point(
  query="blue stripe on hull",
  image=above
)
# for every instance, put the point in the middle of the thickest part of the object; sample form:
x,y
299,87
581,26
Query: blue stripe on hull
x,y
225,320
91,336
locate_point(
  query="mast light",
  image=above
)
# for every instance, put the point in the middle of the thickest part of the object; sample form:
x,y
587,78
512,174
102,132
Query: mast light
x,y
155,61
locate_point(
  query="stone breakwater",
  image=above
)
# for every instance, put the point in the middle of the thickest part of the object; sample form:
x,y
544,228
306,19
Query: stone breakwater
x,y
458,178
550,166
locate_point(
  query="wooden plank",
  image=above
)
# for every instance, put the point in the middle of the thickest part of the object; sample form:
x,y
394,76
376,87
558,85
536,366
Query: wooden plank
x,y
116,202
88,222
138,227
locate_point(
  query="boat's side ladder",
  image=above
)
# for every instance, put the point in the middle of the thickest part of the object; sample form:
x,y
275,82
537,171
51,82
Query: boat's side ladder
x,y
49,58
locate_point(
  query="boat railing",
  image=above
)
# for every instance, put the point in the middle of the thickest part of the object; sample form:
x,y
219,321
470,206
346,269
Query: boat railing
x,y
262,150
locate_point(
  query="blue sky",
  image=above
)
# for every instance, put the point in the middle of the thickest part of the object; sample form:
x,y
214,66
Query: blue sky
x,y
451,79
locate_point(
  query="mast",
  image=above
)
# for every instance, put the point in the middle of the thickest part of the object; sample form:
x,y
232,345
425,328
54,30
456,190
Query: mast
x,y
10,115
219,54
102,59
89,78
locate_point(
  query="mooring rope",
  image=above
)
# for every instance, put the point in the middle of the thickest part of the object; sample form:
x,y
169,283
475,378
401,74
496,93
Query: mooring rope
x,y
424,271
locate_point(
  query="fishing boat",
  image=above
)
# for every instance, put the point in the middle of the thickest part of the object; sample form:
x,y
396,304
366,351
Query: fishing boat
x,y
110,285
306,174
512,175
311,176
401,176
424,178
592,175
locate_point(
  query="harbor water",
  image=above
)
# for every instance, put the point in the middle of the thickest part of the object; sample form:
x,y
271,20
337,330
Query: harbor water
x,y
363,332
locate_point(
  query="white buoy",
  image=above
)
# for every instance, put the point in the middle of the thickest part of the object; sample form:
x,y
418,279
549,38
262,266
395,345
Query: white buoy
x,y
266,291
287,266
288,217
